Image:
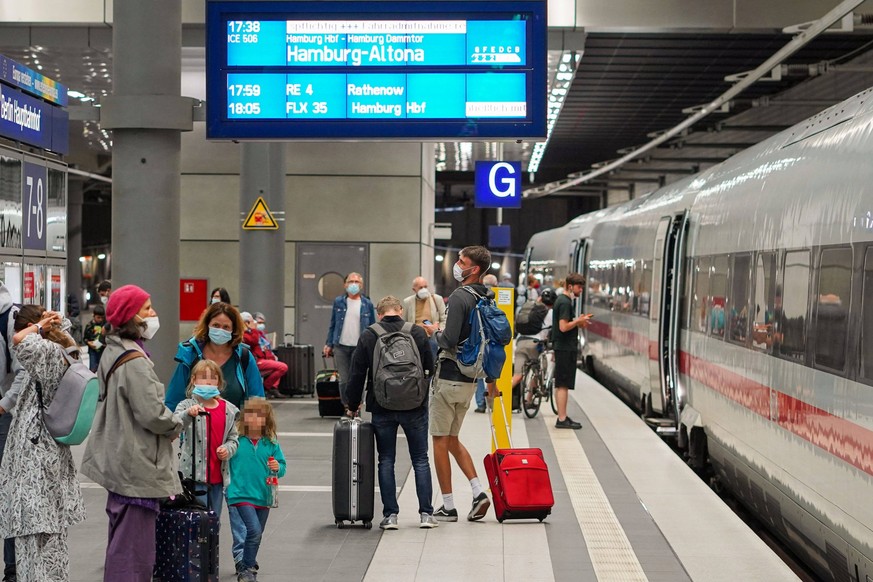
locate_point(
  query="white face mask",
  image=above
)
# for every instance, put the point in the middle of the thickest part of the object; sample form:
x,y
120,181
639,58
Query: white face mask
x,y
104,299
458,273
216,300
152,326
423,293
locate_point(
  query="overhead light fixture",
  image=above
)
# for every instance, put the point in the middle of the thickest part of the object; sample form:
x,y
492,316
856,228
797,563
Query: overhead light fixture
x,y
559,87
495,265
439,258
75,94
101,256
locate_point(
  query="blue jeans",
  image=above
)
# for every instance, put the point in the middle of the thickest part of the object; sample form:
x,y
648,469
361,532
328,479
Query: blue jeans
x,y
215,495
251,521
480,393
414,423
94,359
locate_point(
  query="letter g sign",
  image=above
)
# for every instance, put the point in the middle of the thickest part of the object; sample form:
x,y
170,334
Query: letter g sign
x,y
498,184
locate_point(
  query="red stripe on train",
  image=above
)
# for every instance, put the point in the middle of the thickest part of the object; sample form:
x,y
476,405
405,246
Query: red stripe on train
x,y
843,439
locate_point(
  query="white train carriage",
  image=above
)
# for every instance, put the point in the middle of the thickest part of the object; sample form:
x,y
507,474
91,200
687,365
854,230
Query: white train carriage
x,y
735,306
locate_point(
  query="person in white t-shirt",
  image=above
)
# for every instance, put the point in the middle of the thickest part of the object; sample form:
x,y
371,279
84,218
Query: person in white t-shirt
x,y
528,347
352,313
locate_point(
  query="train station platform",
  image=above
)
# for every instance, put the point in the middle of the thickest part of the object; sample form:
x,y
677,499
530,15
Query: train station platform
x,y
626,509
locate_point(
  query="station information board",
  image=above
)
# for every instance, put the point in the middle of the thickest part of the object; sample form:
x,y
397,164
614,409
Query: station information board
x,y
375,69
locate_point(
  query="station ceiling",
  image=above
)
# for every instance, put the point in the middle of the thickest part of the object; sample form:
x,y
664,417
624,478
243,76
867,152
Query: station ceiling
x,y
627,87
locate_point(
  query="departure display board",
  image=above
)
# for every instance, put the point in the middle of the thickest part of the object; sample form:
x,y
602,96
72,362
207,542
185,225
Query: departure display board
x,y
375,69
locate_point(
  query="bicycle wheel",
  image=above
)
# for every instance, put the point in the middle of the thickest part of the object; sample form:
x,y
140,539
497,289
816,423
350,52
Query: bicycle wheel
x,y
532,393
554,404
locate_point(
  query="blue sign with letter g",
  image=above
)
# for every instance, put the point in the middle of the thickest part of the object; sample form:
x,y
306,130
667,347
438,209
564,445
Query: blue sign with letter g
x,y
498,184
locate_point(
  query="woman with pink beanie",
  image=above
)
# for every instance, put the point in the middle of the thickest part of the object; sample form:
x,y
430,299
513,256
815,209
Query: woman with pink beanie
x,y
130,450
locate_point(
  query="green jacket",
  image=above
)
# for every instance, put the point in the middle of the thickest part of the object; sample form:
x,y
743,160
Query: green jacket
x,y
130,449
196,432
249,472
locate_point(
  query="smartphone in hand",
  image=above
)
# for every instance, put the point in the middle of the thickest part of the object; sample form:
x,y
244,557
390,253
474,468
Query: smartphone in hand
x,y
427,322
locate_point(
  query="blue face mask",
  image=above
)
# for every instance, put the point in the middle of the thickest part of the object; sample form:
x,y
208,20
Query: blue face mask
x,y
219,336
353,289
205,392
262,326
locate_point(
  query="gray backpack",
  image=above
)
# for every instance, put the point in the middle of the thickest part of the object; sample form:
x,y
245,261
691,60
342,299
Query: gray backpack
x,y
398,378
70,414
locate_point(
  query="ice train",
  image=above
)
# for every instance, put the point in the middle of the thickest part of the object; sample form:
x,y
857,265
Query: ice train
x,y
735,309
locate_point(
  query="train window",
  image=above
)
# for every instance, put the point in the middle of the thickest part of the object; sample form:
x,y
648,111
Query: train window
x,y
765,291
832,310
701,293
687,293
718,288
790,305
867,318
741,281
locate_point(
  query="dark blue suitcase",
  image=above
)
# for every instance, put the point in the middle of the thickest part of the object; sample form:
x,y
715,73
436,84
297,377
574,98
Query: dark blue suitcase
x,y
187,545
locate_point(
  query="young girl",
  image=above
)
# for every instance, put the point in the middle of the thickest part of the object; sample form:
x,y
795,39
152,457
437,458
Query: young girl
x,y
211,466
248,496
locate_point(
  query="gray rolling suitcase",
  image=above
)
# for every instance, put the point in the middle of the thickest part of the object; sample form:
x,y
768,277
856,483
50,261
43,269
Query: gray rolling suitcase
x,y
354,472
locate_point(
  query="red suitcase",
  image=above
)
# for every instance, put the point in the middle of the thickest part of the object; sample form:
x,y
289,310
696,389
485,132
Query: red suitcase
x,y
519,481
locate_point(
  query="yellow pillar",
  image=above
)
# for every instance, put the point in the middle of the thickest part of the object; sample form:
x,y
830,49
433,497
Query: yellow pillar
x,y
505,298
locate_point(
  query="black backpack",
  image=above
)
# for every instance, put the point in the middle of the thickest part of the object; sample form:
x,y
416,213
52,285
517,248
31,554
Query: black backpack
x,y
530,318
398,378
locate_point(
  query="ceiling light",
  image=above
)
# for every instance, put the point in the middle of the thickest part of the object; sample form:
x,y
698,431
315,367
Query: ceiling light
x,y
558,89
495,265
75,94
439,258
101,256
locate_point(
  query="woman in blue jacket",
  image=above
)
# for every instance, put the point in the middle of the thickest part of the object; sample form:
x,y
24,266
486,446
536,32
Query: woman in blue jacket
x,y
218,337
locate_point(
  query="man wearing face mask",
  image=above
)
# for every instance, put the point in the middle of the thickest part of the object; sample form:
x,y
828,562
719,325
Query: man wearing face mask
x,y
104,290
352,313
268,363
452,390
426,310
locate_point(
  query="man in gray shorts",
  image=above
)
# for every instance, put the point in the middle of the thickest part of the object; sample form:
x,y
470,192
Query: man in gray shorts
x,y
452,391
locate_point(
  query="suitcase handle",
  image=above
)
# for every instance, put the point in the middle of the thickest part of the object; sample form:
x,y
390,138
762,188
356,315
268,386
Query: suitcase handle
x,y
324,363
505,421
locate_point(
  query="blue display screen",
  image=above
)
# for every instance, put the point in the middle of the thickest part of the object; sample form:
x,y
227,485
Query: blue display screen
x,y
417,70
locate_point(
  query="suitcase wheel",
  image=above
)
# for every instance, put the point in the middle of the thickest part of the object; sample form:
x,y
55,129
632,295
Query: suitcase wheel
x,y
340,524
368,524
500,519
541,518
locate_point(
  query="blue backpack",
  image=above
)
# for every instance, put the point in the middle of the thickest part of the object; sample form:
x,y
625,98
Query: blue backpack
x,y
484,358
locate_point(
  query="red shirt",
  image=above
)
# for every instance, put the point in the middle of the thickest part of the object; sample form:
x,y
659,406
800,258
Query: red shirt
x,y
215,439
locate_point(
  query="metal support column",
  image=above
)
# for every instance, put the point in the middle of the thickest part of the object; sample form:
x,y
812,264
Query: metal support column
x,y
262,252
146,114
75,198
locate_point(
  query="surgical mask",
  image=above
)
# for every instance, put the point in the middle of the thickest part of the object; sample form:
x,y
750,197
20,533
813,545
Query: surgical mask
x,y
219,336
216,300
205,392
152,326
423,293
353,289
262,326
458,273
104,299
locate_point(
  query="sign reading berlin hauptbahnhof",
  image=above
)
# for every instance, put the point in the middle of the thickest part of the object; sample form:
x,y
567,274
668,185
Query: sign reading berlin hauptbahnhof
x,y
375,69
32,108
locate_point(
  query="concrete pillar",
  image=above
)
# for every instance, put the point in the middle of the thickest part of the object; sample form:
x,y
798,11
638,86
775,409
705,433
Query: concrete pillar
x,y
262,252
147,113
75,198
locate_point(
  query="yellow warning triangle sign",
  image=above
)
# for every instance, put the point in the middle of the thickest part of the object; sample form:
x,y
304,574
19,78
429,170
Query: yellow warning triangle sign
x,y
260,217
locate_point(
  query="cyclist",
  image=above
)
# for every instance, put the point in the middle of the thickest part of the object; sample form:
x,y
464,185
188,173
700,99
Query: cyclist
x,y
527,347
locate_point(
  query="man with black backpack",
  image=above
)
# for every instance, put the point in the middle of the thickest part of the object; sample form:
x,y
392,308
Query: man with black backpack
x,y
453,390
395,357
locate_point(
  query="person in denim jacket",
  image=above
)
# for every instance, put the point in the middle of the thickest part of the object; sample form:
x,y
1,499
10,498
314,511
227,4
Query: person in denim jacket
x,y
352,313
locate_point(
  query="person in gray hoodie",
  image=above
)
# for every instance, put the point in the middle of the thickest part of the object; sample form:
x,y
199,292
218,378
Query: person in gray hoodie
x,y
130,449
10,387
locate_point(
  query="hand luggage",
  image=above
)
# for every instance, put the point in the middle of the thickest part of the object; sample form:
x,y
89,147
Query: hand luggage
x,y
300,360
187,542
354,472
519,480
327,388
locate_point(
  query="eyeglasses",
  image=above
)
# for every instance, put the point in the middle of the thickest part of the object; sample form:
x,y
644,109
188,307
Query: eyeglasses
x,y
358,282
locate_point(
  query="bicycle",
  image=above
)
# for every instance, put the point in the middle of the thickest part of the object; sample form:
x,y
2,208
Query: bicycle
x,y
537,382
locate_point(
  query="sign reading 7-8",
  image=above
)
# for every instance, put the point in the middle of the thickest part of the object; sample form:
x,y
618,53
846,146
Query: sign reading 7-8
x,y
34,203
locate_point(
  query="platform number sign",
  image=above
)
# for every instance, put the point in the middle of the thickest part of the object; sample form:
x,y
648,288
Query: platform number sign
x,y
498,184
34,204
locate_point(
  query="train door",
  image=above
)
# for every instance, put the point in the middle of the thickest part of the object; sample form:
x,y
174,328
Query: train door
x,y
578,264
664,399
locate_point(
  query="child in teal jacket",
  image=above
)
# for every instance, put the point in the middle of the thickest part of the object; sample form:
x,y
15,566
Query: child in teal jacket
x,y
249,496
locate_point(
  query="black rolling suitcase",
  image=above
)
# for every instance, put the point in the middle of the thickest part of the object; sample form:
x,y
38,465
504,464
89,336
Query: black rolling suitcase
x,y
301,369
187,542
354,472
327,389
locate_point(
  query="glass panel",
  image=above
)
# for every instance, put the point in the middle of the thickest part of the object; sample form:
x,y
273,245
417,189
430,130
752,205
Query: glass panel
x,y
687,294
765,291
646,289
701,294
739,297
34,284
867,317
718,280
56,220
790,305
10,203
12,279
832,312
57,283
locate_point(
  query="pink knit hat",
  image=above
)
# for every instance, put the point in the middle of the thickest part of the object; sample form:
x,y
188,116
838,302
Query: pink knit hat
x,y
124,303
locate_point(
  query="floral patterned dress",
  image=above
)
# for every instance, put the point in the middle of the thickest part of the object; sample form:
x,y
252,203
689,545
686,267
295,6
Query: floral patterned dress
x,y
39,489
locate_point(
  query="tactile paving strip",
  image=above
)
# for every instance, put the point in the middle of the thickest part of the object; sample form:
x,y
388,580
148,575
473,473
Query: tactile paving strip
x,y
610,551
